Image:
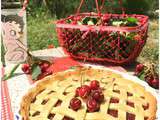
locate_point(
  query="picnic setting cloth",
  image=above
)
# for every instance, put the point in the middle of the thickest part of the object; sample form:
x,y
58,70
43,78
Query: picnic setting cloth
x,y
13,89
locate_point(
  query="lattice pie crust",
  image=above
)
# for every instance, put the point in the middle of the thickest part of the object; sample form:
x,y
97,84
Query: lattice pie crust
x,y
124,99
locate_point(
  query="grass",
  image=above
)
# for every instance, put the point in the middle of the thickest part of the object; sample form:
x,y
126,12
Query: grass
x,y
150,52
41,33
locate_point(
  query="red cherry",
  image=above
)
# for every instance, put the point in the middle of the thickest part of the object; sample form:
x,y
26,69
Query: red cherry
x,y
73,22
84,91
50,69
44,66
155,83
149,78
26,68
149,81
98,96
92,105
75,104
77,91
139,67
94,85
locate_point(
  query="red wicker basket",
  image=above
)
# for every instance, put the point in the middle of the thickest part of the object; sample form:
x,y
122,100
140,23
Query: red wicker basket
x,y
103,42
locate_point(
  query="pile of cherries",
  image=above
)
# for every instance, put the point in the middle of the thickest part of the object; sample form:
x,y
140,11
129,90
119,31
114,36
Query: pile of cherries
x,y
149,73
92,95
46,69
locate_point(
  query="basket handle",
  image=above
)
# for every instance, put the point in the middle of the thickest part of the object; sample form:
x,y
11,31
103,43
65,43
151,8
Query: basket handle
x,y
21,12
99,7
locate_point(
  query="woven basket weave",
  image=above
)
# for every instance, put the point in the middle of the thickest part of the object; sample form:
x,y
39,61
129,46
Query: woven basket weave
x,y
103,42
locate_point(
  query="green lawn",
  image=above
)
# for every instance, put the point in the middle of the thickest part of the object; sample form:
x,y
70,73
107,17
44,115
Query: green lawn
x,y
41,33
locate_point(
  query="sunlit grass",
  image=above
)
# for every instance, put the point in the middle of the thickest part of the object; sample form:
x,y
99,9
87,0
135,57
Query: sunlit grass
x,y
150,52
41,32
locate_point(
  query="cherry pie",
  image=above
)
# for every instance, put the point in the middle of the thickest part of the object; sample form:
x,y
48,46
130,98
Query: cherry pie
x,y
123,99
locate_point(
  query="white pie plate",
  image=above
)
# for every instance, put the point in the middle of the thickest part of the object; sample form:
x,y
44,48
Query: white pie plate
x,y
129,77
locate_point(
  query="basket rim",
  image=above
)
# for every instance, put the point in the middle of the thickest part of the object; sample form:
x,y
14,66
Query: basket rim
x,y
59,24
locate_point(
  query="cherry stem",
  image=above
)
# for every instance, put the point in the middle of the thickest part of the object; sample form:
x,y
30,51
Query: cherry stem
x,y
82,72
152,70
81,78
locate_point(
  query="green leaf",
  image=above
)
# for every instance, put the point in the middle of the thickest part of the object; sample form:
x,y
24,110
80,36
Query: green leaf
x,y
85,20
11,73
14,69
130,36
117,23
142,75
2,52
90,23
55,42
132,20
69,21
36,71
95,20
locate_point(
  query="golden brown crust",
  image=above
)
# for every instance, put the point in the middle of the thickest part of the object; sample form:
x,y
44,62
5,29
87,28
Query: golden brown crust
x,y
89,73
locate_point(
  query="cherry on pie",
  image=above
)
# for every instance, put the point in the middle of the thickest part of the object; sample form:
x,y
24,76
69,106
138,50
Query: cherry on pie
x,y
123,99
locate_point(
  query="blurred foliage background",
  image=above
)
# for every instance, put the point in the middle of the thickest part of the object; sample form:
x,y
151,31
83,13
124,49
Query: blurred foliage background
x,y
63,8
